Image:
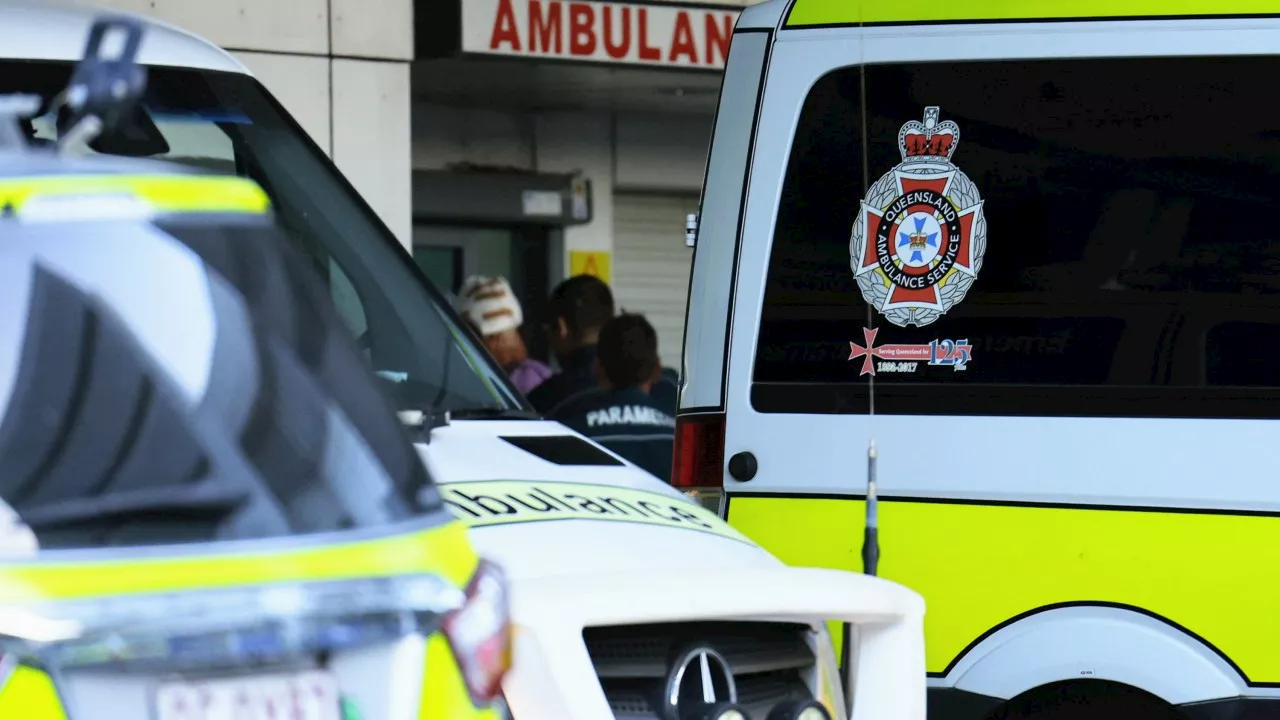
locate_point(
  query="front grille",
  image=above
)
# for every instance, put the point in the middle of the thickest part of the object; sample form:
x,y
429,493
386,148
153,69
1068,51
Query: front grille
x,y
769,662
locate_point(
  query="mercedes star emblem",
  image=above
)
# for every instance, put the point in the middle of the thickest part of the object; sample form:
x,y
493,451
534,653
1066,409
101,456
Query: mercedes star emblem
x,y
699,677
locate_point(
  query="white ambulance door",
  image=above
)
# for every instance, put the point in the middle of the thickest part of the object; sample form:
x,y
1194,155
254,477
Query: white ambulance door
x,y
791,452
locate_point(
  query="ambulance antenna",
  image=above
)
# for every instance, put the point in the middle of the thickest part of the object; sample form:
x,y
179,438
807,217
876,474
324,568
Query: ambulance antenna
x,y
871,533
871,530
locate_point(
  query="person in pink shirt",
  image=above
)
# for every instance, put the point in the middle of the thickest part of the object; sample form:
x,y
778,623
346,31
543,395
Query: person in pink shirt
x,y
492,310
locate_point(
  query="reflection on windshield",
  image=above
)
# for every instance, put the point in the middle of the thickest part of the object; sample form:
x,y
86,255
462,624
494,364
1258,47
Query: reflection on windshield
x,y
224,122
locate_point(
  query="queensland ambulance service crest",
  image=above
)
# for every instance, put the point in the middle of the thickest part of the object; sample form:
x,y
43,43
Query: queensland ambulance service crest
x,y
918,241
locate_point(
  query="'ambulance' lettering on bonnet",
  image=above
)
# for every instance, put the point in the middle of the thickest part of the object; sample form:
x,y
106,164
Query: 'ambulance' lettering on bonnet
x,y
488,503
592,31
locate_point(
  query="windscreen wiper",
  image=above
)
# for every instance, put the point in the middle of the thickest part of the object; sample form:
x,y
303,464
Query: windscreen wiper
x,y
422,422
493,412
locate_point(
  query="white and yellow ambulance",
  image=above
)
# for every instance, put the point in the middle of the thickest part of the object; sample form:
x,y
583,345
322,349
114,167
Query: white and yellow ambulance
x,y
199,518
1025,248
628,599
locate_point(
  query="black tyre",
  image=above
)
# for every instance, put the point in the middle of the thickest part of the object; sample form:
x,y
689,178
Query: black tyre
x,y
1087,700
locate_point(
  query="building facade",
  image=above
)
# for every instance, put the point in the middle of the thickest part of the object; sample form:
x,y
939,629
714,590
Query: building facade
x,y
529,138
620,95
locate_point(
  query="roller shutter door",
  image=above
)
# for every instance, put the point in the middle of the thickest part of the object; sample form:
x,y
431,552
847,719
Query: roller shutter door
x,y
651,264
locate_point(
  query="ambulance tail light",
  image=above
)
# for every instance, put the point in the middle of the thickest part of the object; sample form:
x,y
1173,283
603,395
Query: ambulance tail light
x,y
698,462
480,634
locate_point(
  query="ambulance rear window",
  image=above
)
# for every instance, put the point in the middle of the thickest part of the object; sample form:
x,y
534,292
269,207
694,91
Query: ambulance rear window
x,y
1088,237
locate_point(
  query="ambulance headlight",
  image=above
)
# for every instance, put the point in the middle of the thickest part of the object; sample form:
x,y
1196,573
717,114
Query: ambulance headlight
x,y
225,627
799,710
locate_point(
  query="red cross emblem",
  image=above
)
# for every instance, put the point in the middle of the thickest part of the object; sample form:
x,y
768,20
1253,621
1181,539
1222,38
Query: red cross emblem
x,y
885,352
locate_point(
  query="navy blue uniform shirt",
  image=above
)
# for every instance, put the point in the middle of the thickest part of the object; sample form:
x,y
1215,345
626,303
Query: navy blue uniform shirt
x,y
667,390
578,375
629,422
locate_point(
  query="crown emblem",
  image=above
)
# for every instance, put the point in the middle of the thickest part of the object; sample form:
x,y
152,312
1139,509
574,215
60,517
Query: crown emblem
x,y
917,240
929,141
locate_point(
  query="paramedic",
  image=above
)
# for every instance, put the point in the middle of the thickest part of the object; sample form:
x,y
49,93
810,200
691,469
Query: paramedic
x,y
578,308
621,414
493,312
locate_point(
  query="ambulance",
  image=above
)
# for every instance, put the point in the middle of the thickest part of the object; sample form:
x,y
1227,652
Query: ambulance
x,y
628,598
208,508
1013,262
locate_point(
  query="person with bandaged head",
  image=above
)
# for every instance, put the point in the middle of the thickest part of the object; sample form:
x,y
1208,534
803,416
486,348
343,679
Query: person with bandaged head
x,y
621,412
494,313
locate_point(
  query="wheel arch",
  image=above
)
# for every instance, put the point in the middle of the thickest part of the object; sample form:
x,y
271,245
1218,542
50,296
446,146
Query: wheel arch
x,y
1094,641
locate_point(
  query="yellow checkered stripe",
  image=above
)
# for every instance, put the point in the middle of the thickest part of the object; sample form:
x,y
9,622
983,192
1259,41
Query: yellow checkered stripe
x,y
444,551
163,193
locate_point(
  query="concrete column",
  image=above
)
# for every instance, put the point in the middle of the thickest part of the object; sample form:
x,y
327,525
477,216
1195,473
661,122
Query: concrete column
x,y
340,67
371,50
301,84
372,142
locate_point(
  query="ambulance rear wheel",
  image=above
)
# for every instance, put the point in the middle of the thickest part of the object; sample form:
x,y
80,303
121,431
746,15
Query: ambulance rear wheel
x,y
1086,700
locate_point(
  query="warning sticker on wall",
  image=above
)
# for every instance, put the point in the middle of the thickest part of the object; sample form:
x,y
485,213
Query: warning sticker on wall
x,y
590,262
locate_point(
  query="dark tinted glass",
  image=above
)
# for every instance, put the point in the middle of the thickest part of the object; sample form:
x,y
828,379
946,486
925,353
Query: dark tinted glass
x,y
1123,262
293,434
227,123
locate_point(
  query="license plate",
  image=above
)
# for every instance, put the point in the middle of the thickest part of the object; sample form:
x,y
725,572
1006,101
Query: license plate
x,y
294,696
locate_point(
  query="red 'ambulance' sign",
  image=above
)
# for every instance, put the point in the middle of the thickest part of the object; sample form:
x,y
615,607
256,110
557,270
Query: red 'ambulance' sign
x,y
668,35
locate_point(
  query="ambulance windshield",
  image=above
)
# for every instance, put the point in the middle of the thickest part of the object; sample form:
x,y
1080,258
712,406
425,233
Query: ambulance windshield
x,y
227,123
1052,237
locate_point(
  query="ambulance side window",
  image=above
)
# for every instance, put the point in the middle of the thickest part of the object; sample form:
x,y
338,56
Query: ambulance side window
x,y
1011,238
